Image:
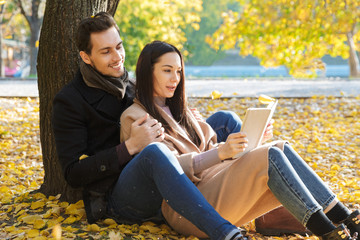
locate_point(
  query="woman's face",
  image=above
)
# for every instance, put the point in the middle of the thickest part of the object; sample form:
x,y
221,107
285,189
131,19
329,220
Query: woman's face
x,y
166,75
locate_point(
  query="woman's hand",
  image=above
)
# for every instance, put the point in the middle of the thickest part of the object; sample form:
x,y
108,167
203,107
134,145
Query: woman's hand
x,y
268,134
235,143
197,114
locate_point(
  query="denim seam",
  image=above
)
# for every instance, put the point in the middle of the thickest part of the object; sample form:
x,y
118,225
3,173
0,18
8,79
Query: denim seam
x,y
327,202
308,212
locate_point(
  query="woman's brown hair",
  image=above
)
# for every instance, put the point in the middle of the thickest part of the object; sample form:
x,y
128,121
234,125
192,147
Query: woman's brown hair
x,y
145,88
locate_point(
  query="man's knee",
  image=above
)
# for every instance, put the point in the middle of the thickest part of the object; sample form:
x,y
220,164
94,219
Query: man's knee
x,y
159,154
229,116
274,151
156,148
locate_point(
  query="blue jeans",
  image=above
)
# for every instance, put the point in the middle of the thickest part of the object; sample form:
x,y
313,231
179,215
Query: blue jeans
x,y
224,123
297,187
291,180
153,175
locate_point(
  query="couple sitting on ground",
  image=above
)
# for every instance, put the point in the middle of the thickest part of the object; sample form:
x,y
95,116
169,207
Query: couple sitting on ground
x,y
170,165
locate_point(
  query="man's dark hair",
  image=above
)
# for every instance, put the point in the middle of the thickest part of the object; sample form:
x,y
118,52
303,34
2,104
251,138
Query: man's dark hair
x,y
102,21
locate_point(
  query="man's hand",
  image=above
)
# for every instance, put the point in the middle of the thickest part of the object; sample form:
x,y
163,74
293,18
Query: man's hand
x,y
235,143
143,132
268,134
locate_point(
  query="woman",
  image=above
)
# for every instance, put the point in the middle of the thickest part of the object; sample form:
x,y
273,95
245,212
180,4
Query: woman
x,y
239,189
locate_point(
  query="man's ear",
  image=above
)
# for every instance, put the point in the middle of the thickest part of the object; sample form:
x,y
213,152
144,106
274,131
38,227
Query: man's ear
x,y
85,57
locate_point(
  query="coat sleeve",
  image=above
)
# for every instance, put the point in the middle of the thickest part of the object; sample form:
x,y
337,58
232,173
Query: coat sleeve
x,y
185,160
70,127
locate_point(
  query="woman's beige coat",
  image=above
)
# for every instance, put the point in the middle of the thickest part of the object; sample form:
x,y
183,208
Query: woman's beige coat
x,y
237,189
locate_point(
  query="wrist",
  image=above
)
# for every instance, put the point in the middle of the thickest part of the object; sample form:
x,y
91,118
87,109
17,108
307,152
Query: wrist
x,y
132,149
220,151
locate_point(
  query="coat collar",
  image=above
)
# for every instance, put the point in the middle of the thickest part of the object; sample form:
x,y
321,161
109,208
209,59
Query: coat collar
x,y
101,100
179,132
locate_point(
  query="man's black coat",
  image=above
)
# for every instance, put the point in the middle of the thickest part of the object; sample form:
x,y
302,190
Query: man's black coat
x,y
86,121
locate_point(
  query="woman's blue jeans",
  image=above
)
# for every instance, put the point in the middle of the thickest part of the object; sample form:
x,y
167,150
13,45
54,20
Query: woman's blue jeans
x,y
297,187
291,180
153,175
224,123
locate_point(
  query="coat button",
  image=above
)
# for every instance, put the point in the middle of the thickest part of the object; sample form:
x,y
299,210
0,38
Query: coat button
x,y
103,168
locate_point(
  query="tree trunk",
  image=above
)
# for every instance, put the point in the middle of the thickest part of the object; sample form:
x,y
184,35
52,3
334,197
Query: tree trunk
x,y
35,32
57,64
353,58
2,67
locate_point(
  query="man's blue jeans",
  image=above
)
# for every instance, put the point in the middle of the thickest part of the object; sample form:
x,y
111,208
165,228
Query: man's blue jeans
x,y
153,175
224,123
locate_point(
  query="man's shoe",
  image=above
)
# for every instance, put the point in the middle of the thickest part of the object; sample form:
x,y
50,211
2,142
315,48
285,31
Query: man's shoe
x,y
339,233
353,222
279,222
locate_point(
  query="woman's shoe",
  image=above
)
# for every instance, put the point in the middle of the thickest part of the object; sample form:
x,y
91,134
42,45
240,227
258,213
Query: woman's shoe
x,y
353,222
339,233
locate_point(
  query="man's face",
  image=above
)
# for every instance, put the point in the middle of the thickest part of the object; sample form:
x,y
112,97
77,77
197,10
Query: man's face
x,y
107,54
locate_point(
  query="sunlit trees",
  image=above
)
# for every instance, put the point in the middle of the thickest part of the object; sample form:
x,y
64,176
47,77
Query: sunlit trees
x,y
200,53
293,33
141,22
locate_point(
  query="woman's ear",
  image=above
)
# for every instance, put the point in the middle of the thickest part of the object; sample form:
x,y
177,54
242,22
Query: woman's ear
x,y
85,57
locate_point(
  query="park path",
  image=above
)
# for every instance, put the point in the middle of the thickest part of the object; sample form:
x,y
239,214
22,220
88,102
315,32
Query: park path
x,y
228,87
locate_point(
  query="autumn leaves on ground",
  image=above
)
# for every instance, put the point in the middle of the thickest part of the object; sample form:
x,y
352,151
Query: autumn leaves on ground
x,y
324,130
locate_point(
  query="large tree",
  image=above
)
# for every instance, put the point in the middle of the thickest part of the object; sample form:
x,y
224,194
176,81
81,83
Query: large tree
x,y
293,33
57,64
33,13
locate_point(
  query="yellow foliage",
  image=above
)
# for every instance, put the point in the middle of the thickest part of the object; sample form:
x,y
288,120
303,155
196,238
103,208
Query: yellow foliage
x,y
156,19
297,35
324,130
216,94
264,99
93,228
36,205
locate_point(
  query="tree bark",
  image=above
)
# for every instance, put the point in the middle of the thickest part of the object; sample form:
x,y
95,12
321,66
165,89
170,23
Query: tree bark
x,y
353,58
2,68
57,64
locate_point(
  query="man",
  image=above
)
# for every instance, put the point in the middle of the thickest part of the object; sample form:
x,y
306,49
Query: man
x,y
86,127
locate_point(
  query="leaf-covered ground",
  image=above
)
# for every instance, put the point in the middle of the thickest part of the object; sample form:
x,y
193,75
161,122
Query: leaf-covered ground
x,y
324,130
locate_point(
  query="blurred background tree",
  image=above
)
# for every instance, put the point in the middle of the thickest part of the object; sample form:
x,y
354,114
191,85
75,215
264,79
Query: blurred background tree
x,y
2,7
33,11
20,28
12,27
141,22
200,52
293,33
